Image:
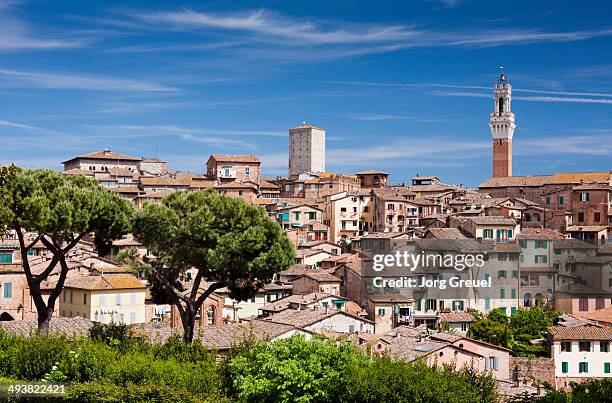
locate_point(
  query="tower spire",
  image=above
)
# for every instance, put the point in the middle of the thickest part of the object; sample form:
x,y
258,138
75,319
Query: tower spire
x,y
502,124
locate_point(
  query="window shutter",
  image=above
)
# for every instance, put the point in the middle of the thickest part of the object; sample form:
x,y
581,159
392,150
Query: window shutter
x,y
487,366
496,363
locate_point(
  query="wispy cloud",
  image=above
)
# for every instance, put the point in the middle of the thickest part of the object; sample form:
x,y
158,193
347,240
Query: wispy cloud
x,y
550,99
586,145
31,79
17,35
269,34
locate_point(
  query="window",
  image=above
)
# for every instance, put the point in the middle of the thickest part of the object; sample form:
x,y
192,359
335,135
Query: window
x,y
606,367
597,216
132,317
583,367
118,299
487,233
464,327
64,296
502,274
540,244
487,304
599,303
85,298
541,259
487,277
583,304
8,290
564,367
584,346
513,293
382,312
566,346
102,300
547,199
502,293
133,298
584,196
561,200
71,296
604,346
391,206
524,244
580,217
6,257
312,215
247,172
514,273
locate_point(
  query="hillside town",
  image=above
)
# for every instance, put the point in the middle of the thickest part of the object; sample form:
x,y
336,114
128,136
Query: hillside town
x,y
545,238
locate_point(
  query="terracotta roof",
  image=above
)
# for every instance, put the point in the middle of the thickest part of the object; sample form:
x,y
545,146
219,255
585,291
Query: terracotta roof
x,y
586,228
568,178
371,172
455,317
321,276
234,158
492,220
127,240
126,189
390,298
600,315
106,155
572,244
181,180
582,289
446,233
78,171
296,270
306,317
539,234
160,194
580,333
69,326
110,282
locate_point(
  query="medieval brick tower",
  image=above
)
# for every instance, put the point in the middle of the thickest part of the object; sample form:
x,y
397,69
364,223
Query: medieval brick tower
x,y
502,127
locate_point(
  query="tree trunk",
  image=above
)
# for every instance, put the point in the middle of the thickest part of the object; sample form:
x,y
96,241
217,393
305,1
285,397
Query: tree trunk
x,y
188,320
44,319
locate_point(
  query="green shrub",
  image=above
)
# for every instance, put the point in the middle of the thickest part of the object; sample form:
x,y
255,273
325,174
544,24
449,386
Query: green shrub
x,y
35,356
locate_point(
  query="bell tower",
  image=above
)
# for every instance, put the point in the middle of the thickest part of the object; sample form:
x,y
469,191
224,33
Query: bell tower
x,y
502,127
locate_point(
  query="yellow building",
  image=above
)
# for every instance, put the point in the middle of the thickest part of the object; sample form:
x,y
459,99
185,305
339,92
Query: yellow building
x,y
118,298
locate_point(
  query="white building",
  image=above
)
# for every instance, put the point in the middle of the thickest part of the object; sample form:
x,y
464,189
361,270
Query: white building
x,y
580,353
306,150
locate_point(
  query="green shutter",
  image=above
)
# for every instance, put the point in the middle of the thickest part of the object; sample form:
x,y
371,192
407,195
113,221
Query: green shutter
x,y
6,258
8,290
512,310
513,293
606,367
564,367
502,293
419,304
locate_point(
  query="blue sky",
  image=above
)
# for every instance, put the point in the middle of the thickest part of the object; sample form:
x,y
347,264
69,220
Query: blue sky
x,y
399,86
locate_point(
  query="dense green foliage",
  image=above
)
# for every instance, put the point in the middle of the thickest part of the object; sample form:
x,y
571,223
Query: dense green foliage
x,y
515,332
229,242
123,368
296,370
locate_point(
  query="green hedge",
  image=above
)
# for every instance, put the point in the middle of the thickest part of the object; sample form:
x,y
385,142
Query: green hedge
x,y
116,368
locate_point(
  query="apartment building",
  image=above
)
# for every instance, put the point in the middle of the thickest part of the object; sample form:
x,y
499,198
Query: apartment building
x,y
580,353
536,268
373,179
118,298
344,214
229,168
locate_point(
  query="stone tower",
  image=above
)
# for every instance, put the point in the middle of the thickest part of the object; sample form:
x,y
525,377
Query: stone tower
x,y
306,150
502,128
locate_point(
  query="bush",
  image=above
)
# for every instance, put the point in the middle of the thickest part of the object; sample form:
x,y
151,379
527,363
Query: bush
x,y
324,371
34,357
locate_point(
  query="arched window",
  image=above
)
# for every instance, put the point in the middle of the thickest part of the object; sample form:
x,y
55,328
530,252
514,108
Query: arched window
x,y
501,105
210,315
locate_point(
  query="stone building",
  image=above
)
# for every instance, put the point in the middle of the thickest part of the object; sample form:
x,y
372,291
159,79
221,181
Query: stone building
x,y
231,168
306,150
